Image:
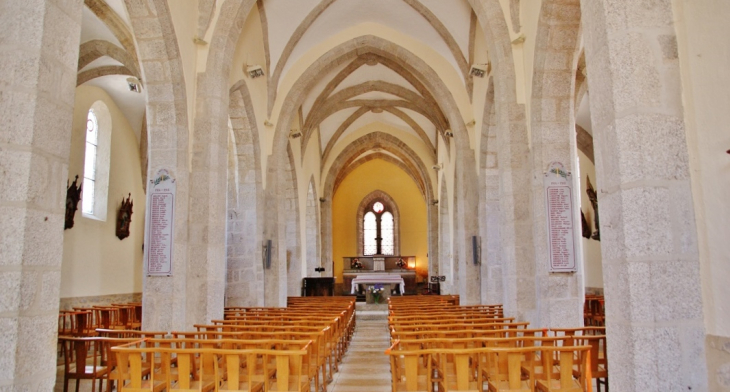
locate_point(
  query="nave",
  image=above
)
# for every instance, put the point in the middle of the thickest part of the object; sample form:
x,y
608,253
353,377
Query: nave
x,y
365,367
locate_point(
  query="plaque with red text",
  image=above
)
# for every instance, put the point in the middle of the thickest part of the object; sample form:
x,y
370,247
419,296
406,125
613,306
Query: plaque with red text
x,y
159,224
560,218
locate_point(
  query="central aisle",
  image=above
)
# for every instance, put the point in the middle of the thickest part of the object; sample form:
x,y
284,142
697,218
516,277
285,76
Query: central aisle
x,y
365,367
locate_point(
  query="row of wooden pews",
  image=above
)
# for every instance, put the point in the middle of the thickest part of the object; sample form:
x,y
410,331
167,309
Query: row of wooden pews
x,y
250,349
594,313
439,346
83,321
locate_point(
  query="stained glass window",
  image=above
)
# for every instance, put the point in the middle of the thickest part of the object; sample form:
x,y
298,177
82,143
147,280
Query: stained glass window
x,y
92,140
370,232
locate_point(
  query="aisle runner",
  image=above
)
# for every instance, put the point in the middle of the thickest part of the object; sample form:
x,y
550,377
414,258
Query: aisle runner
x,y
365,367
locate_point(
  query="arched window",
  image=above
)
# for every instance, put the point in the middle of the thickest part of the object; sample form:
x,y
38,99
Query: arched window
x,y
378,225
96,162
92,141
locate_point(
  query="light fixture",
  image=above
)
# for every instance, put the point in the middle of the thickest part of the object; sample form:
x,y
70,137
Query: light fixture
x,y
448,133
438,167
294,133
435,202
268,123
471,123
322,200
479,70
134,85
254,71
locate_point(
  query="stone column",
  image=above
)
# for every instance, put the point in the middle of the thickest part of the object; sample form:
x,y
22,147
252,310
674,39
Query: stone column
x,y
164,307
38,58
649,247
465,227
559,295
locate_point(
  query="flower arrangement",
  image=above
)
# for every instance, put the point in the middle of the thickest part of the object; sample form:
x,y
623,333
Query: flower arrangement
x,y
355,264
377,292
400,263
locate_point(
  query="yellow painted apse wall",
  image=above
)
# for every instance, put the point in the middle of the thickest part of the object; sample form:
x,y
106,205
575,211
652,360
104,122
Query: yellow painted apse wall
x,y
389,178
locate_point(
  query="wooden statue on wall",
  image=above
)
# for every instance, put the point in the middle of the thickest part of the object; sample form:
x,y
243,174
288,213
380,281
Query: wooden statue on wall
x,y
593,197
73,195
124,218
586,229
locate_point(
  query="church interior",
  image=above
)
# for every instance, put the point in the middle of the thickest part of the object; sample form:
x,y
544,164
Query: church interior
x,y
202,157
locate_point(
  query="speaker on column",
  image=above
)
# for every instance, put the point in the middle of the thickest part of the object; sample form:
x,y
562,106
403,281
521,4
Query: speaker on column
x,y
266,253
476,249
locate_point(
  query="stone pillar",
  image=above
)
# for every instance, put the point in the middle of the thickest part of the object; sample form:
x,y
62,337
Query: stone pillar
x,y
40,46
651,264
515,228
559,295
492,284
465,227
207,234
165,299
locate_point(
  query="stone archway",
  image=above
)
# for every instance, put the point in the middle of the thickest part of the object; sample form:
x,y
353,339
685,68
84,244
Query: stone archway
x,y
510,117
408,158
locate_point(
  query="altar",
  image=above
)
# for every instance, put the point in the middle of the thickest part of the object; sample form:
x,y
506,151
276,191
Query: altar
x,y
374,279
377,267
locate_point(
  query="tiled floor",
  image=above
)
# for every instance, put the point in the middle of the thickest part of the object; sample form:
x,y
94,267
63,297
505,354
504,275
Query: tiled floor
x,y
365,367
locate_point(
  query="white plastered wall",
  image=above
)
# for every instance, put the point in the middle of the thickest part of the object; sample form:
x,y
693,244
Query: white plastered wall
x,y
95,261
592,262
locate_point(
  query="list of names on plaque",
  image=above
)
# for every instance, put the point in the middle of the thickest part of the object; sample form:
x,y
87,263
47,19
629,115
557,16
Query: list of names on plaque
x,y
159,224
158,253
560,225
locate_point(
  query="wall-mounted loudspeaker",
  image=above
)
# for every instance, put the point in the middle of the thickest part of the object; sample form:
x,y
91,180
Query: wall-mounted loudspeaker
x,y
266,254
476,249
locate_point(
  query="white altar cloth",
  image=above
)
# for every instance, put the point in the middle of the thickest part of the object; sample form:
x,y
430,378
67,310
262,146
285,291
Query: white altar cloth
x,y
377,279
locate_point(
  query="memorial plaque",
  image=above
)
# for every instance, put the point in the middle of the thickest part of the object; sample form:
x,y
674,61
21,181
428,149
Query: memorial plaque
x,y
159,224
559,212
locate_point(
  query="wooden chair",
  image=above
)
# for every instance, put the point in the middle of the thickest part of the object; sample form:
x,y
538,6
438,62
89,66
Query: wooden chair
x,y
234,362
598,362
503,369
190,375
412,370
290,374
110,360
83,361
132,359
570,358
458,367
